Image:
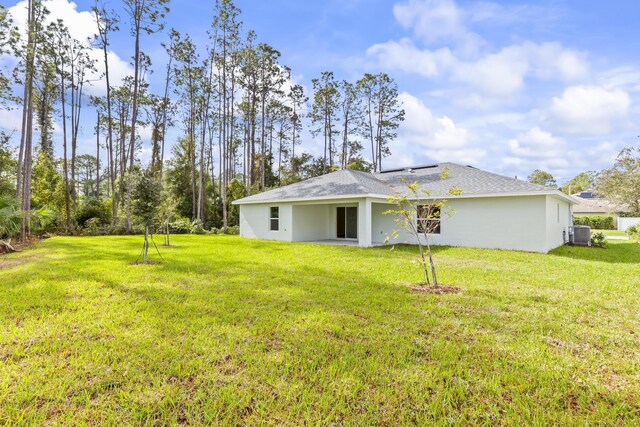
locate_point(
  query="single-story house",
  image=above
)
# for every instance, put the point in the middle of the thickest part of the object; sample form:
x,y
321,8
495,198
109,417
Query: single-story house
x,y
590,204
493,211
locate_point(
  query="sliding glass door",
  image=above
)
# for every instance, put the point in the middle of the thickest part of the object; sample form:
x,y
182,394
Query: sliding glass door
x,y
347,223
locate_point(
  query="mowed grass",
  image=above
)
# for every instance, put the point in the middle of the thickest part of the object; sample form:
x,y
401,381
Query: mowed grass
x,y
229,331
614,233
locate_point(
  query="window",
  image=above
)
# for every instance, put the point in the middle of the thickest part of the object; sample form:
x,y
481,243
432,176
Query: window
x,y
429,219
274,218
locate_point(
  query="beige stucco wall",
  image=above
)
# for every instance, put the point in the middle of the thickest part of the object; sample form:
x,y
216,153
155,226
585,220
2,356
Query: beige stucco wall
x,y
528,223
559,219
254,222
517,223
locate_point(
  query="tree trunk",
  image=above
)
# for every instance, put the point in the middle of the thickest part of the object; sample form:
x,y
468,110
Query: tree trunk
x,y
25,160
164,112
98,158
262,145
65,166
433,267
145,248
223,177
373,151
112,171
134,117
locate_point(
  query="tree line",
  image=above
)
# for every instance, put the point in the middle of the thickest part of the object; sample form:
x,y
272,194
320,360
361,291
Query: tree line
x,y
620,184
239,118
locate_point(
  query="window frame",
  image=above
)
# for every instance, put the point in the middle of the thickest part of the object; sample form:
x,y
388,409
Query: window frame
x,y
434,215
275,218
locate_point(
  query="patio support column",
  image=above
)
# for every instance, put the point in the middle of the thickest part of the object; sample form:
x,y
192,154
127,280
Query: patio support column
x,y
364,223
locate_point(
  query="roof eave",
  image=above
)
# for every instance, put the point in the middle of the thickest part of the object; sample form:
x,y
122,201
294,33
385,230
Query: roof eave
x,y
310,199
554,193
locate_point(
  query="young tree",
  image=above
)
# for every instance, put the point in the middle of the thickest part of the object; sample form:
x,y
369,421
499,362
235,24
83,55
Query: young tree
x,y
167,210
419,214
542,178
145,206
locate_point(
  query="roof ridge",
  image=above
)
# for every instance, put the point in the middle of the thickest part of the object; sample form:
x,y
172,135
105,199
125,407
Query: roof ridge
x,y
363,174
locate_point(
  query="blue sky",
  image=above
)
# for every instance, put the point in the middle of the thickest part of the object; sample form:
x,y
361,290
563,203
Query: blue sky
x,y
506,86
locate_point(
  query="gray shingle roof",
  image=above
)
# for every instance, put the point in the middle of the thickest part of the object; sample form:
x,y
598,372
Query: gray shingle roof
x,y
467,178
598,205
336,184
346,183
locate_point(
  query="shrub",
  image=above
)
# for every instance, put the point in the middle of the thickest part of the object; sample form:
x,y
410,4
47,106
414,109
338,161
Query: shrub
x,y
596,222
235,230
93,208
93,227
632,232
197,228
180,225
10,216
598,240
119,229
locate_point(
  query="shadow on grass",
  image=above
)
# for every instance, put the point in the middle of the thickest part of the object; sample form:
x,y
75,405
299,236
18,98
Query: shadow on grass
x,y
622,252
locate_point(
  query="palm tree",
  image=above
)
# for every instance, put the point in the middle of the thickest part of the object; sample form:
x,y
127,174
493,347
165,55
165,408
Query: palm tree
x,y
10,217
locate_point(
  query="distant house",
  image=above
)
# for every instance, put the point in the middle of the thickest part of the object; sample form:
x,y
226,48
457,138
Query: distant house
x,y
494,211
590,204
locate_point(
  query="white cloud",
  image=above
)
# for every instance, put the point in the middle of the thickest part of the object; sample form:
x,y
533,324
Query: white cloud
x,y
626,78
82,26
404,55
589,110
503,74
423,137
498,76
436,20
489,77
537,144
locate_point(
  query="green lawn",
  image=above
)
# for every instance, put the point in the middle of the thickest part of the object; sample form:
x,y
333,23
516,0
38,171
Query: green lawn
x,y
614,233
232,331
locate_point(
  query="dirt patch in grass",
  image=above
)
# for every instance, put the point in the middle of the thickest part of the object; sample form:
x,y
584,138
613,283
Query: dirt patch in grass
x,y
147,263
14,262
436,290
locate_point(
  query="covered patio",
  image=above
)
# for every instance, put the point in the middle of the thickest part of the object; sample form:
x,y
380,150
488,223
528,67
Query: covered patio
x,y
345,222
